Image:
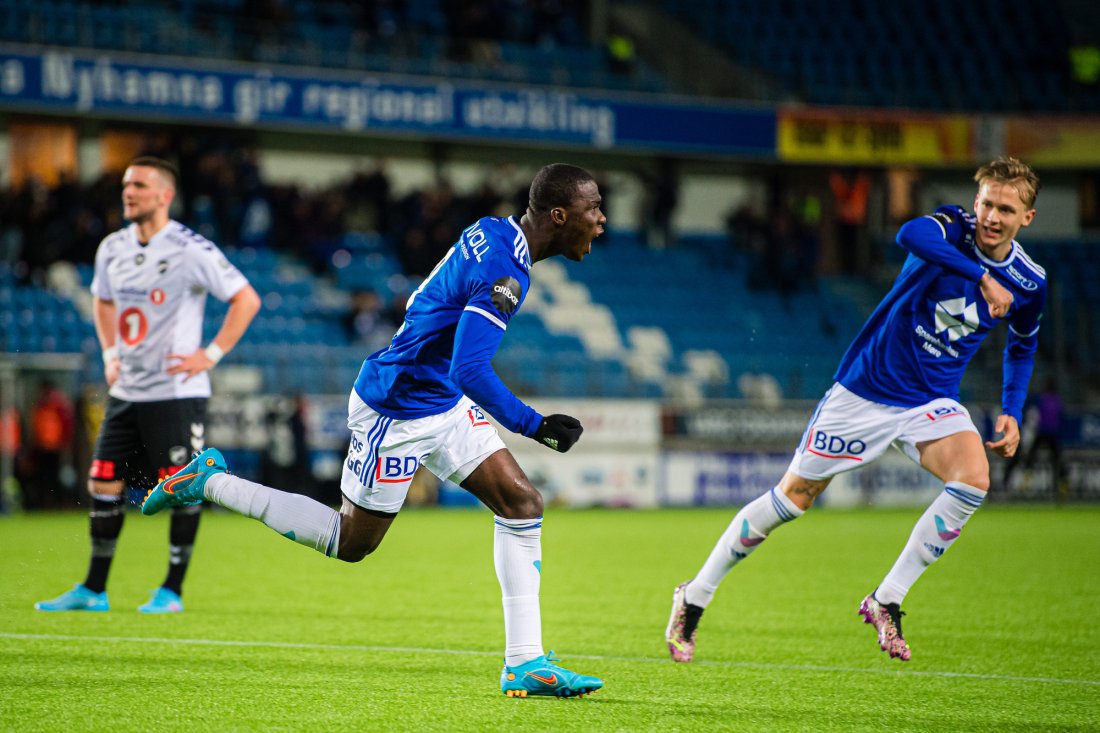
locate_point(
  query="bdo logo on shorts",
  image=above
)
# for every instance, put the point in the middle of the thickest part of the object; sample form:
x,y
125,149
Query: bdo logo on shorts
x,y
373,469
835,446
395,469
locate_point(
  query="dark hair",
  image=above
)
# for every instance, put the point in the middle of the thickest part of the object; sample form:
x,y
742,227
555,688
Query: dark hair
x,y
168,169
556,185
1012,172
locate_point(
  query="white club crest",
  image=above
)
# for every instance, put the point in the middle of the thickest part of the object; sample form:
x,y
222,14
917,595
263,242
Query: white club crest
x,y
957,317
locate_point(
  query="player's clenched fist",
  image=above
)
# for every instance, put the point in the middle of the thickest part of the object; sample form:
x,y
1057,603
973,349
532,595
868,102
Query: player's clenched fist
x,y
559,432
996,295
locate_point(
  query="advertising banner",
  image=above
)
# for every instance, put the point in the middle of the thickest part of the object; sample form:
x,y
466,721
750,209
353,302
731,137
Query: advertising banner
x,y
866,137
1048,141
135,87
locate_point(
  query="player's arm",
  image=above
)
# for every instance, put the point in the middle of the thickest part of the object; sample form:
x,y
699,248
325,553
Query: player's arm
x,y
1019,362
477,338
243,307
937,239
105,316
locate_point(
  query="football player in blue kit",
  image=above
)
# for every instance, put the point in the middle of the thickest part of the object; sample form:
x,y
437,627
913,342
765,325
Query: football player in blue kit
x,y
423,400
898,384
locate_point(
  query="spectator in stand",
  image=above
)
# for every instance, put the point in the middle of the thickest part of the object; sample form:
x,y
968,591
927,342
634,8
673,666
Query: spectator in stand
x,y
850,193
369,323
52,421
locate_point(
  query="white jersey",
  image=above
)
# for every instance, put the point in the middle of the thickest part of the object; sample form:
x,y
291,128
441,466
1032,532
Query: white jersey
x,y
159,290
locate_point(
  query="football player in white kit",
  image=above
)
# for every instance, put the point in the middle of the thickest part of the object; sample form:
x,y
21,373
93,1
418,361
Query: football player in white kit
x,y
898,384
150,286
422,401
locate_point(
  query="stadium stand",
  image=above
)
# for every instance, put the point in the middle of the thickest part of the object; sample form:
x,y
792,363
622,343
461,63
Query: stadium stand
x,y
640,322
940,62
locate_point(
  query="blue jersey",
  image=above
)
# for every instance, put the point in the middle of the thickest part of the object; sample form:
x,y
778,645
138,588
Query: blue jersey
x,y
917,343
454,323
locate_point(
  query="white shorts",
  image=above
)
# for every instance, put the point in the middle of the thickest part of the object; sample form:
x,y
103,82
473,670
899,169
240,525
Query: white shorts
x,y
847,431
384,452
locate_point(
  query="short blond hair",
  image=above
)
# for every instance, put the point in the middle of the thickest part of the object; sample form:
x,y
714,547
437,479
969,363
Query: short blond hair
x,y
1013,172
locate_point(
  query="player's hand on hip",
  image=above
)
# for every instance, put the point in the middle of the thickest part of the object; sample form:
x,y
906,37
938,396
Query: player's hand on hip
x,y
1009,430
111,370
559,432
190,364
996,295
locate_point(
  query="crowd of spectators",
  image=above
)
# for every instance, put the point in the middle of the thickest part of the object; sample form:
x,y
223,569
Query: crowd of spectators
x,y
223,196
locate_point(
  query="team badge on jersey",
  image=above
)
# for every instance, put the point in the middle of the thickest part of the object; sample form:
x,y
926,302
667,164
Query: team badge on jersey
x,y
957,317
139,258
157,296
506,294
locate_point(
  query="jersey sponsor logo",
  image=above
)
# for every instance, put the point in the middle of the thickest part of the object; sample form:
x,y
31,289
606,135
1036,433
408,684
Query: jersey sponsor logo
x,y
1024,282
162,266
506,294
157,296
822,444
477,241
957,317
935,346
139,258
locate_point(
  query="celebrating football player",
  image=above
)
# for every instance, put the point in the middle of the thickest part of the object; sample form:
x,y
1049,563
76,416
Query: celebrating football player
x,y
898,384
423,400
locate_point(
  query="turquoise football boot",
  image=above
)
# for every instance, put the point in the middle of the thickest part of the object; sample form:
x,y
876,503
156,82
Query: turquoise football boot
x,y
163,601
77,599
542,676
184,488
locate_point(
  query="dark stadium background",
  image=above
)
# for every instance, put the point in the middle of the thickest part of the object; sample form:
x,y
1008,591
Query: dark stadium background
x,y
755,159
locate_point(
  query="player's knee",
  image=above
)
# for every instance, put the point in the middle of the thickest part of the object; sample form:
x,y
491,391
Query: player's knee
x,y
524,503
979,481
356,551
105,488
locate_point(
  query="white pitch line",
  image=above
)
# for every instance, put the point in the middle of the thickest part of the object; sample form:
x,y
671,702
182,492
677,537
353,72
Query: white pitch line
x,y
473,652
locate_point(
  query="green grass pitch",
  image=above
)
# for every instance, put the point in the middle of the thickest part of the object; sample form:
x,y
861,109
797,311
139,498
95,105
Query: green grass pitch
x,y
276,637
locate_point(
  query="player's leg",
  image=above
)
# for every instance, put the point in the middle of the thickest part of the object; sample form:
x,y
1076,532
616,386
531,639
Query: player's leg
x,y
842,434
959,461
748,529
949,447
369,504
501,485
118,438
171,431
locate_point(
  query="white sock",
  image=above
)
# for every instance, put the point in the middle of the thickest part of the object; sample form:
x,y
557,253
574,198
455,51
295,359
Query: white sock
x,y
294,516
749,528
934,532
517,554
